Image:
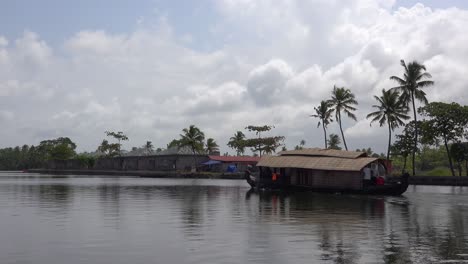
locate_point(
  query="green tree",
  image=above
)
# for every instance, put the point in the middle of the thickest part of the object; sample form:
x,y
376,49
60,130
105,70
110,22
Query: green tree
x,y
368,151
193,138
173,144
343,100
459,152
237,142
301,145
410,86
61,148
390,110
445,122
403,146
334,141
324,112
22,158
262,144
211,146
119,136
87,160
109,149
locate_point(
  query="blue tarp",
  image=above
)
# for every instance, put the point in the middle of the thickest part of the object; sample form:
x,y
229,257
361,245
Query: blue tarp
x,y
211,162
231,168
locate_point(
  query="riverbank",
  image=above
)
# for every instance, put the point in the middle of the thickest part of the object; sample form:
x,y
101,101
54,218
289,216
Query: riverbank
x,y
416,180
439,180
148,174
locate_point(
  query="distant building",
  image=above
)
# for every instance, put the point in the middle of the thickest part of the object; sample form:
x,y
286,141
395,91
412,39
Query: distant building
x,y
229,163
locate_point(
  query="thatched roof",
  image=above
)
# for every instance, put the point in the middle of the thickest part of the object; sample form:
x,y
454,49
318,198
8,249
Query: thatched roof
x,y
324,153
315,162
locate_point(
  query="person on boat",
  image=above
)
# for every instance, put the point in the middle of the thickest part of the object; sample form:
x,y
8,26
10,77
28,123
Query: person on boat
x,y
248,173
380,180
367,176
250,178
405,177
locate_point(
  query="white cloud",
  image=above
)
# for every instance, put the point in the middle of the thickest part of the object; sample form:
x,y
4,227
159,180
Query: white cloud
x,y
3,41
32,51
6,115
276,60
267,82
360,129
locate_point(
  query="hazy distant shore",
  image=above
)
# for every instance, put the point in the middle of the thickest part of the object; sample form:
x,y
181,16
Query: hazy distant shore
x,y
140,173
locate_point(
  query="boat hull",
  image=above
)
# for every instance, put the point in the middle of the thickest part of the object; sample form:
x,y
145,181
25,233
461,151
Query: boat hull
x,y
395,188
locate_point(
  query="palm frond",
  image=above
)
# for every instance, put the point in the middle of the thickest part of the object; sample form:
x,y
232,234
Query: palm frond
x,y
425,83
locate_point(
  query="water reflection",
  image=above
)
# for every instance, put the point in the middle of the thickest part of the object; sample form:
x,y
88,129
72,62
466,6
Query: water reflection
x,y
206,221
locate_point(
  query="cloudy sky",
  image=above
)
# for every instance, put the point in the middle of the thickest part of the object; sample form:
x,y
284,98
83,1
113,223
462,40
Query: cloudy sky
x,y
152,67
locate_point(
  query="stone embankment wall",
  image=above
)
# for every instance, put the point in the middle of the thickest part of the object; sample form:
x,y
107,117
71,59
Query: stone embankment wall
x,y
439,180
143,163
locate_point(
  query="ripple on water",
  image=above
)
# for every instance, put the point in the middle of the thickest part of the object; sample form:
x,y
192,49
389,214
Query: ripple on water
x,y
135,220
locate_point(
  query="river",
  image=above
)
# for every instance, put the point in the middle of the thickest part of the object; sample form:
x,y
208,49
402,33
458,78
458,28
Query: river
x,y
88,219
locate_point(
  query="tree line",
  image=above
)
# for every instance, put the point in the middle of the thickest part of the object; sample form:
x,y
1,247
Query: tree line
x,y
191,138
26,157
442,124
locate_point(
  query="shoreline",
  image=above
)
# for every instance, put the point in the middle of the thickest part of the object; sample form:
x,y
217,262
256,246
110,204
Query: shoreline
x,y
147,174
413,180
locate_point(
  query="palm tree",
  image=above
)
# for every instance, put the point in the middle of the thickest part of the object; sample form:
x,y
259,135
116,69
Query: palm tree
x,y
269,149
334,141
324,112
390,110
236,142
302,143
192,137
342,100
410,87
211,146
149,148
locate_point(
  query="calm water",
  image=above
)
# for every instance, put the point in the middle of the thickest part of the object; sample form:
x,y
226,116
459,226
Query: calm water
x,y
53,219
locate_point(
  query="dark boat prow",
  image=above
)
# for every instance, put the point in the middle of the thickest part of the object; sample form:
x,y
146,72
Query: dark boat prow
x,y
395,188
248,178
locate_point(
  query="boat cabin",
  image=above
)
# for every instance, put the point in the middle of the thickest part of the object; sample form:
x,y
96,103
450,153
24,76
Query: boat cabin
x,y
325,169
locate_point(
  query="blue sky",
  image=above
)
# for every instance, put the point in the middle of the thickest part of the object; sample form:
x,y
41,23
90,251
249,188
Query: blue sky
x,y
435,3
56,20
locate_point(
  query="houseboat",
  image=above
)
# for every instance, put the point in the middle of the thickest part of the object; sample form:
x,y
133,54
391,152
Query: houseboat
x,y
326,170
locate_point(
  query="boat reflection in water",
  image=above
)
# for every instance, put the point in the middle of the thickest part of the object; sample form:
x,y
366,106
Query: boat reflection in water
x,y
343,228
123,220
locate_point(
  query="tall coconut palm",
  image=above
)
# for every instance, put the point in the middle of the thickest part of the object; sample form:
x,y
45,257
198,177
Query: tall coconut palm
x,y
211,146
236,142
192,137
343,100
410,86
149,148
390,110
302,143
324,112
